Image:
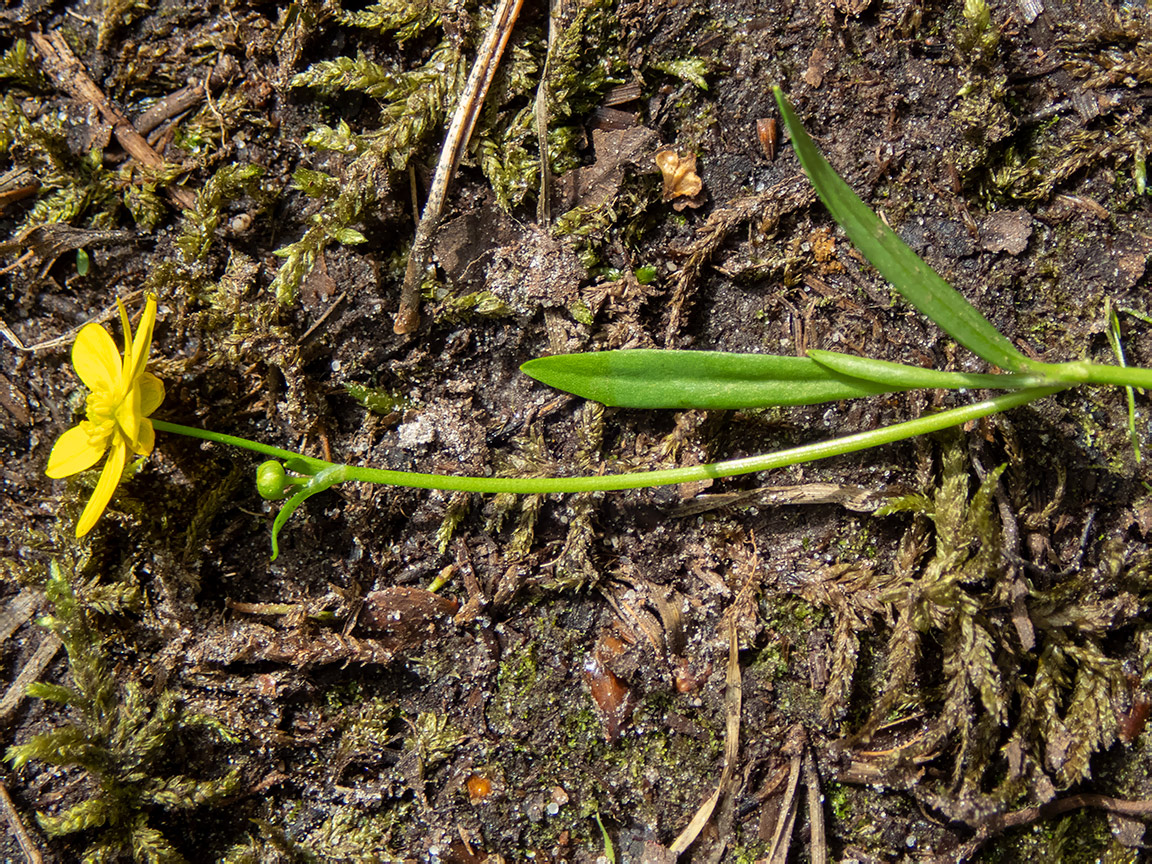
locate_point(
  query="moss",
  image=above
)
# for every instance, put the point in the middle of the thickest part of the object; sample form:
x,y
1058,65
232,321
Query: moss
x,y
856,541
18,67
586,59
690,69
378,400
790,615
72,186
121,736
839,798
623,218
200,223
353,836
514,682
1054,705
1079,836
413,105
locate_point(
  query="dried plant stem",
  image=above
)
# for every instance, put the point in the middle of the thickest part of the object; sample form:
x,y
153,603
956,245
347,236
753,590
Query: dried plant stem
x,y
544,203
733,700
786,820
818,844
31,853
460,130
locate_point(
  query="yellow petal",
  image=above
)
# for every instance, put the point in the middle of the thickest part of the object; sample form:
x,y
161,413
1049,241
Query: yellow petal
x,y
151,393
96,360
126,326
147,439
74,452
142,344
109,480
128,416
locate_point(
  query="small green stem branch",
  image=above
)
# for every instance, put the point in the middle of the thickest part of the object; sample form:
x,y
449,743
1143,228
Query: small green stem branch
x,y
335,473
313,465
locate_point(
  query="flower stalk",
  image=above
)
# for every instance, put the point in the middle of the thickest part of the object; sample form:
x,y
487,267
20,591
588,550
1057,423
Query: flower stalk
x,y
318,475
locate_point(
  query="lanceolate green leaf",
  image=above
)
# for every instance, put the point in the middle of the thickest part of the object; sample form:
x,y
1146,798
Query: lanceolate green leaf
x,y
909,274
644,378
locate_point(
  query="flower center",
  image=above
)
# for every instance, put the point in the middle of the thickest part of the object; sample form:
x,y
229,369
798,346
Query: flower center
x,y
101,411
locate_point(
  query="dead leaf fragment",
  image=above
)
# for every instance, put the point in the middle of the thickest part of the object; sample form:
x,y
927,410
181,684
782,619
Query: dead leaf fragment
x,y
614,701
1007,231
408,614
680,178
817,66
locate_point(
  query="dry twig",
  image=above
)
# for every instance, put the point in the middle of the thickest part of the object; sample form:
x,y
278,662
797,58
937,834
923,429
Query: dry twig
x,y
463,122
31,853
69,75
733,700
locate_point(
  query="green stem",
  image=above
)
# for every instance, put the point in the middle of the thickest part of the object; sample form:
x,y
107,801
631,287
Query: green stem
x,y
1085,372
638,479
232,440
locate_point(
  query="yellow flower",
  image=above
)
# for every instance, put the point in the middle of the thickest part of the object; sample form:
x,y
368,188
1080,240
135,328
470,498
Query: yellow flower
x,y
121,398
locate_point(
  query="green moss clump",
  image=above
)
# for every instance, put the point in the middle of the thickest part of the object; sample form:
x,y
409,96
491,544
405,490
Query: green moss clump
x,y
18,66
120,735
1013,720
376,399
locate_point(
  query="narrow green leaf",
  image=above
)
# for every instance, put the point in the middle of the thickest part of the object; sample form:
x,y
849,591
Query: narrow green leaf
x,y
919,284
647,378
908,377
1115,339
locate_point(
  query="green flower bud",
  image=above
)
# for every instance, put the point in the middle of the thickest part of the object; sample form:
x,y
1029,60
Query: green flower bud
x,y
271,481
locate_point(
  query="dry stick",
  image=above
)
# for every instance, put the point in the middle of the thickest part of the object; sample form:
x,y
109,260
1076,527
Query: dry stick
x,y
818,843
544,203
463,122
31,853
733,699
179,101
70,76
